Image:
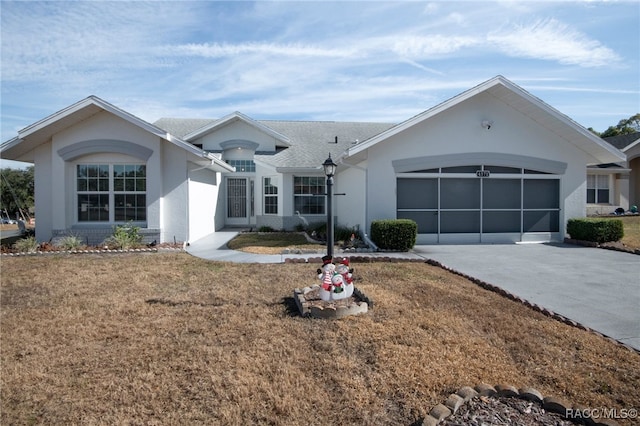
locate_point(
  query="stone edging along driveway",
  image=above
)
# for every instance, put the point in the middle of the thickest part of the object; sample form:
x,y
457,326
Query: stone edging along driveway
x,y
551,404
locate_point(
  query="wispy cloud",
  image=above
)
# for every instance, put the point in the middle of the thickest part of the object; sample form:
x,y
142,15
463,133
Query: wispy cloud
x,y
552,40
317,60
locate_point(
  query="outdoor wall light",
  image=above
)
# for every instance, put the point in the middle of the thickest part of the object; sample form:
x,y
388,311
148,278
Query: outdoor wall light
x,y
487,124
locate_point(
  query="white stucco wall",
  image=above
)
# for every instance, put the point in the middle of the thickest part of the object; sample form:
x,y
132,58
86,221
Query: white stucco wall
x,y
350,208
55,177
44,192
237,130
203,199
175,199
458,130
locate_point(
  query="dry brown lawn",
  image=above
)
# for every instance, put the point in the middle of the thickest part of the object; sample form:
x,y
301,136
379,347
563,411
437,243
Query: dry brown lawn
x,y
631,231
172,339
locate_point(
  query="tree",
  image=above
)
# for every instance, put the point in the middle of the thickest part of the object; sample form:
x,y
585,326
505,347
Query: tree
x,y
624,127
16,191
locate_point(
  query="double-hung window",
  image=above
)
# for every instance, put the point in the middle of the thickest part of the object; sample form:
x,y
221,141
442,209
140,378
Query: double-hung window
x,y
309,194
270,191
598,189
111,192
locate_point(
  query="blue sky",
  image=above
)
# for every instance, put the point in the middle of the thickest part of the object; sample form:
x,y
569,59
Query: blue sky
x,y
344,61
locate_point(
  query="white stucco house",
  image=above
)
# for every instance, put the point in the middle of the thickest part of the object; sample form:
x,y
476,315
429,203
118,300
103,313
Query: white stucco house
x,y
612,186
493,164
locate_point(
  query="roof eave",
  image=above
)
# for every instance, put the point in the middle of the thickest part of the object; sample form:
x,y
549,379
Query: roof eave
x,y
235,116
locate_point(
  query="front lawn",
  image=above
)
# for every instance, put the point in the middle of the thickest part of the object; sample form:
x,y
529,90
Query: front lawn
x,y
271,242
172,339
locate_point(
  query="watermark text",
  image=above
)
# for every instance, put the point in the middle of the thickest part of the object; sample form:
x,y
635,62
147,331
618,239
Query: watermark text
x,y
601,413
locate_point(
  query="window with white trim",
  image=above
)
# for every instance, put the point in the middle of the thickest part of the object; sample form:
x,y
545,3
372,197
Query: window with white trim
x,y
111,192
270,191
597,189
309,194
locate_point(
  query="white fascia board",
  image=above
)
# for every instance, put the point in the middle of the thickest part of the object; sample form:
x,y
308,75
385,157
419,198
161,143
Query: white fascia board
x,y
234,117
91,100
630,146
216,163
9,144
566,120
424,115
308,170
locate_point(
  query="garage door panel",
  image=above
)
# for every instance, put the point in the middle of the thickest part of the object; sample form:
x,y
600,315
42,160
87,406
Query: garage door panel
x,y
498,222
541,194
501,194
459,222
427,221
541,221
460,193
417,193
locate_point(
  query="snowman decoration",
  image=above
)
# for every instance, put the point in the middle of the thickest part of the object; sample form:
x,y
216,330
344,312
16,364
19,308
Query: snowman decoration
x,y
337,283
347,276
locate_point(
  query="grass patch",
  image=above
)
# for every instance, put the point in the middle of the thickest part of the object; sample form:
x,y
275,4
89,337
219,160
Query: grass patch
x,y
631,230
271,242
172,339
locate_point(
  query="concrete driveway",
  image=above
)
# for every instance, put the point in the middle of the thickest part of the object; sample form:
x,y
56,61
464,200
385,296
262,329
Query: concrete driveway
x,y
597,288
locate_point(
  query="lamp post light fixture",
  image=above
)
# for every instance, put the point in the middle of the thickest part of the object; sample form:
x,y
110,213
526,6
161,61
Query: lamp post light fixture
x,y
329,170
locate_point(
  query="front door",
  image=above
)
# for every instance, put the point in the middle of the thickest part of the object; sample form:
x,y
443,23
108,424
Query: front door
x,y
239,201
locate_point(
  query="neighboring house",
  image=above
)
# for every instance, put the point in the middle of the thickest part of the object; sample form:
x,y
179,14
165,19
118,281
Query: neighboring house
x,y
493,164
615,185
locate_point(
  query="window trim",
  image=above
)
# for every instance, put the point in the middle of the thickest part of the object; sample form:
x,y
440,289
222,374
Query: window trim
x,y
111,193
273,183
596,188
321,197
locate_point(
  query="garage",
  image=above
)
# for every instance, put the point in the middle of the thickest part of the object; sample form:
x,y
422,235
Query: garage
x,y
480,203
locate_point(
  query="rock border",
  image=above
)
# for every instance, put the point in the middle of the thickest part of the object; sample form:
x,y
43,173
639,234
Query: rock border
x,y
549,403
94,251
547,312
331,312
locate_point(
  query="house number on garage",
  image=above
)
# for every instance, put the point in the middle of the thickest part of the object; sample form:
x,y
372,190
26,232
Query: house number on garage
x,y
483,173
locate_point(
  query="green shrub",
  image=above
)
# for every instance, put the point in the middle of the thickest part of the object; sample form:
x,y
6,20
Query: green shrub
x,y
394,234
70,242
266,228
596,230
340,232
26,245
124,237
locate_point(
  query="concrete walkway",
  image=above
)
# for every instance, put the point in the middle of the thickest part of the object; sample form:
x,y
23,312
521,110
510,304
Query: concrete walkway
x,y
597,288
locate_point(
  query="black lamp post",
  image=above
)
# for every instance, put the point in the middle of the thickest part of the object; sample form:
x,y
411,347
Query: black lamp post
x,y
329,170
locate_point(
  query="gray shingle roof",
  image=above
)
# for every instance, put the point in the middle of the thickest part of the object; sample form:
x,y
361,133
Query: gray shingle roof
x,y
622,141
311,141
181,127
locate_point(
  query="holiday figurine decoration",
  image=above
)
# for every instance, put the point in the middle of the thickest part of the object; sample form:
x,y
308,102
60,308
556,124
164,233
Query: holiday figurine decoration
x,y
336,281
347,276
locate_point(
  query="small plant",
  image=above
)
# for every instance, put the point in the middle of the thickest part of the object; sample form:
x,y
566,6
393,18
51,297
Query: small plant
x,y
125,237
26,245
70,242
266,228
